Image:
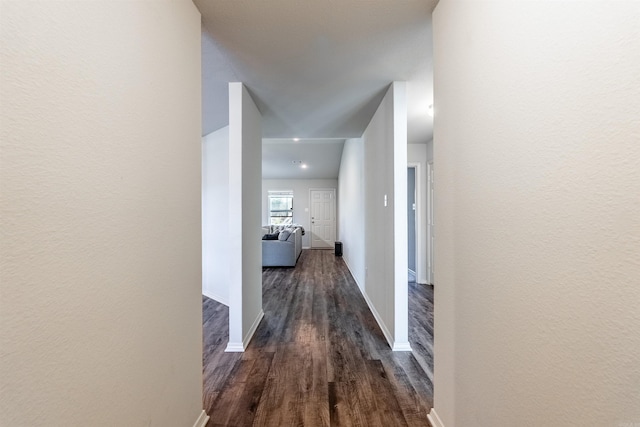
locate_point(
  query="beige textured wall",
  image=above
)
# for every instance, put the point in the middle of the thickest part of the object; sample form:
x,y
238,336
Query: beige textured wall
x,y
537,167
100,306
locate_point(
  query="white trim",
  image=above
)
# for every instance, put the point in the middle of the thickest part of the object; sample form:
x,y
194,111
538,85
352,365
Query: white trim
x,y
202,419
434,419
335,217
394,346
353,275
307,247
216,297
239,347
401,346
234,347
383,327
252,329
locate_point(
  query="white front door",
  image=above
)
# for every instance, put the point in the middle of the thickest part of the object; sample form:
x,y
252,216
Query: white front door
x,y
323,218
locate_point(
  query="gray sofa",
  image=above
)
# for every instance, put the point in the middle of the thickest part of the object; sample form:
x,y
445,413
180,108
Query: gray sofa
x,y
282,253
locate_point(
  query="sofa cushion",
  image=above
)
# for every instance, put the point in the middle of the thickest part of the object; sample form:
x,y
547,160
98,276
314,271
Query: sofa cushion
x,y
284,234
272,236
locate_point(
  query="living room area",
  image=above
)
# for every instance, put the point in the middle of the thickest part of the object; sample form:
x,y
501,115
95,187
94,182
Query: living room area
x,y
297,214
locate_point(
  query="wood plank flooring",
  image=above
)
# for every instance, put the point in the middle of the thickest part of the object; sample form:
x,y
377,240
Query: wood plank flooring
x,y
318,357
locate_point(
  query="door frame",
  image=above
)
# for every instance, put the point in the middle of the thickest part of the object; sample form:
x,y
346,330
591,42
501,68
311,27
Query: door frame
x,y
335,219
418,213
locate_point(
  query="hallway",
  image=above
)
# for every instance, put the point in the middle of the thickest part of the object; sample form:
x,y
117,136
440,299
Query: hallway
x,y
318,357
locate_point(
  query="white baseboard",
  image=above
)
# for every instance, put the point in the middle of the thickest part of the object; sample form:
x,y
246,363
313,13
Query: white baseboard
x,y
215,297
306,247
239,347
434,419
401,346
355,279
202,419
385,331
234,347
387,335
252,330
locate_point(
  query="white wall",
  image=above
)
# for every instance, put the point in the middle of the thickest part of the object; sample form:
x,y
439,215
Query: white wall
x,y
215,215
301,206
417,154
351,212
538,220
100,313
385,173
245,247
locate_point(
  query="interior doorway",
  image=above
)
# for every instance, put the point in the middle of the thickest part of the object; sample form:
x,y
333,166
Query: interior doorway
x,y
412,239
420,294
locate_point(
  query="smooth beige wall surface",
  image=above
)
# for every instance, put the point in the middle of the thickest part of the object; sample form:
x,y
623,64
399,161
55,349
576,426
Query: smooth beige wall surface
x,y
100,258
537,166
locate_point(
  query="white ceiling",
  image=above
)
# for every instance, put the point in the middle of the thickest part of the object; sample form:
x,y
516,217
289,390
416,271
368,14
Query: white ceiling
x,y
317,69
321,156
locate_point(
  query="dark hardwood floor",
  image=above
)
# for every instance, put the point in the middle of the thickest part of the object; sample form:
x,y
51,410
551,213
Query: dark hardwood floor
x,y
421,325
318,357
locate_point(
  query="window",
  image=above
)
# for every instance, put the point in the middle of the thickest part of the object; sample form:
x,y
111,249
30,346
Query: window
x,y
280,207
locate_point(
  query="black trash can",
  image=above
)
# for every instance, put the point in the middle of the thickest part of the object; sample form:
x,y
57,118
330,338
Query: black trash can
x,y
338,248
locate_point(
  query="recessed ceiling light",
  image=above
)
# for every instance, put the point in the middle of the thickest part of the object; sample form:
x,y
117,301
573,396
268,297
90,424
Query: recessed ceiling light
x,y
296,139
303,166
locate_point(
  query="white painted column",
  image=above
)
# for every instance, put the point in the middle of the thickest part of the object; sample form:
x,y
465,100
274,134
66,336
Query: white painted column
x,y
400,274
245,246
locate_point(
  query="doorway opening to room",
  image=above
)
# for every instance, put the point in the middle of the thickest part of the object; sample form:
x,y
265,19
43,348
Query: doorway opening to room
x,y
420,292
412,235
